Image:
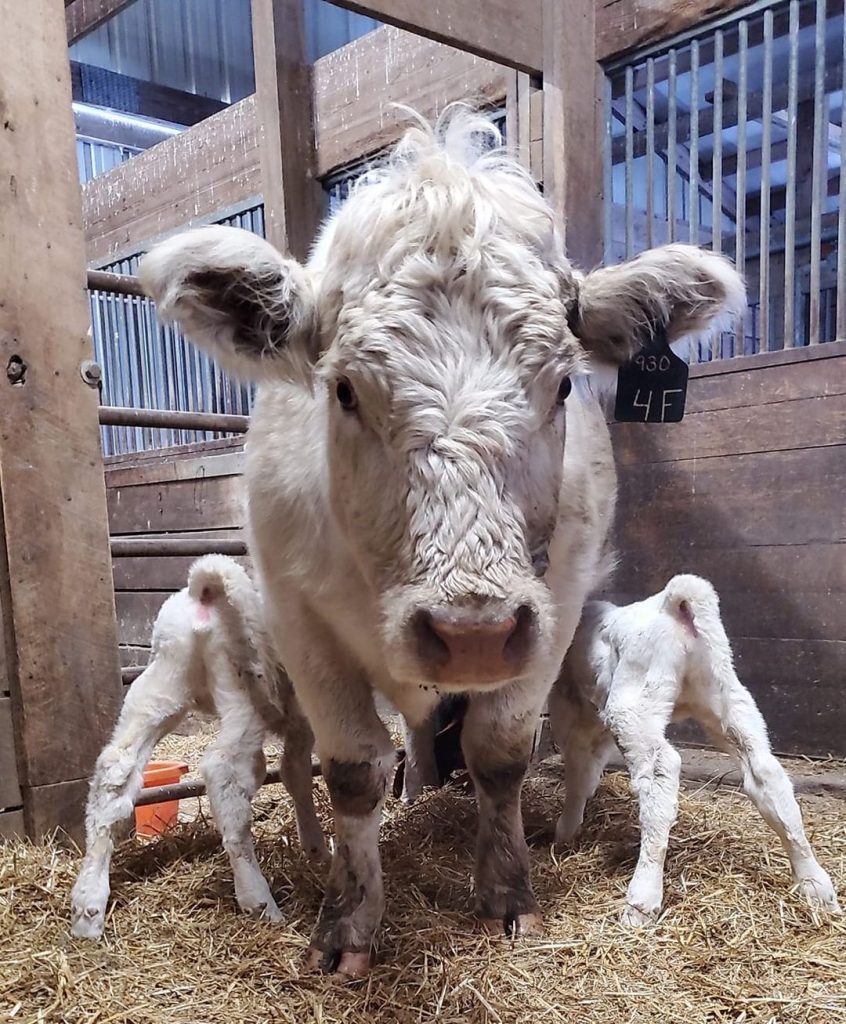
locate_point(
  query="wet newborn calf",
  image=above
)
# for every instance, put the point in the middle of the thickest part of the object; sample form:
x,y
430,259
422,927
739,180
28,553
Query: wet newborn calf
x,y
628,674
210,653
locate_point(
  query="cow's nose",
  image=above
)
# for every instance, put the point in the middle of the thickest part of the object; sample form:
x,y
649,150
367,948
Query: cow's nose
x,y
465,649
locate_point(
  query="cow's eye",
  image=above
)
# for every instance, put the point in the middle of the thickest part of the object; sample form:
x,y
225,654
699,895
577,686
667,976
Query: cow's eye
x,y
345,395
564,389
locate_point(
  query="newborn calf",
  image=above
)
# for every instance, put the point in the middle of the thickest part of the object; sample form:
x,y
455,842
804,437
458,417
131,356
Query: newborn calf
x,y
629,673
210,653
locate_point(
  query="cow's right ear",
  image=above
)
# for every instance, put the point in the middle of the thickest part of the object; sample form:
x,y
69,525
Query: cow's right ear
x,y
235,296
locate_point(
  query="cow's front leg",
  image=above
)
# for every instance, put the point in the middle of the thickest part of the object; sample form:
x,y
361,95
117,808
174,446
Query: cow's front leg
x,y
497,741
356,762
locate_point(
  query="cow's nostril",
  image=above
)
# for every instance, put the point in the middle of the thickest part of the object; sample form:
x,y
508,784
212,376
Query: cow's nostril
x,y
430,646
519,640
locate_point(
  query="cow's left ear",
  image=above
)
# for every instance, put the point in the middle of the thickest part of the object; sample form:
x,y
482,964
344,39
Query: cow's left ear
x,y
235,296
677,290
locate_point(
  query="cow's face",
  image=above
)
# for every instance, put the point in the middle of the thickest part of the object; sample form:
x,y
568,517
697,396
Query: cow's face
x,y
446,326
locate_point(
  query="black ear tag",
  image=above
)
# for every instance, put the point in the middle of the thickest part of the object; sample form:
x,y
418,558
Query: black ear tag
x,y
652,387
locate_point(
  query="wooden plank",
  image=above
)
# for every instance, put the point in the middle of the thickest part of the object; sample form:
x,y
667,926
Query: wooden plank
x,y
95,85
357,87
134,654
10,791
624,25
214,166
777,498
59,808
798,685
785,357
175,453
164,471
11,826
182,505
181,181
796,591
293,198
155,573
84,16
499,30
572,127
58,590
804,424
136,612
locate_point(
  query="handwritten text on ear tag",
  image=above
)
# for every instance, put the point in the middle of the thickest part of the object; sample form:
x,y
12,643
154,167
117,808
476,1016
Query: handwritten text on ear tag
x,y
652,387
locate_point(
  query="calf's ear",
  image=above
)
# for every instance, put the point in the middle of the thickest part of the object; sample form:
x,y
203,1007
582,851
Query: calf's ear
x,y
677,290
253,311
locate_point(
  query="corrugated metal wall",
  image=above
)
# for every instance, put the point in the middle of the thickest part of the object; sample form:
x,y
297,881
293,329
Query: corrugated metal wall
x,y
203,46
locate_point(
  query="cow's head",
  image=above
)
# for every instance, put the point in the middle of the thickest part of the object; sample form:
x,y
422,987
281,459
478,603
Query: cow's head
x,y
442,326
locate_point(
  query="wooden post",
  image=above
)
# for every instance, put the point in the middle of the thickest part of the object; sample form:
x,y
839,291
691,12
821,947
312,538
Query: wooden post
x,y
56,601
573,134
293,197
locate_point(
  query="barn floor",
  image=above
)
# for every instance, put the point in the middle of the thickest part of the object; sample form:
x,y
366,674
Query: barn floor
x,y
734,943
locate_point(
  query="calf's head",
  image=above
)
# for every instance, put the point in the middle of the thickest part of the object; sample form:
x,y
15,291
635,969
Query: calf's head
x,y
441,326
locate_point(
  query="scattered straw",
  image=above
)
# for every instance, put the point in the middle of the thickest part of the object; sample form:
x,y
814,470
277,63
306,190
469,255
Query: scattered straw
x,y
733,945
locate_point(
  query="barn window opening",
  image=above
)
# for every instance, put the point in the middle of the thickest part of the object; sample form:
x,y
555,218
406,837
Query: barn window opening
x,y
730,137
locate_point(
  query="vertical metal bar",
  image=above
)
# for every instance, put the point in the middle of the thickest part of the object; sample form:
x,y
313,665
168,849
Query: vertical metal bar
x,y
693,202
629,162
717,168
608,175
840,327
766,166
820,169
717,159
790,198
650,152
740,212
672,114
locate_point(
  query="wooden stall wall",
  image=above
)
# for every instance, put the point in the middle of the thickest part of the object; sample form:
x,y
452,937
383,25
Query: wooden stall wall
x,y
190,492
748,491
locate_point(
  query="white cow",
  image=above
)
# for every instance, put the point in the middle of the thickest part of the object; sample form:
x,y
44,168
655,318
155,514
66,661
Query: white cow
x,y
428,502
631,671
210,654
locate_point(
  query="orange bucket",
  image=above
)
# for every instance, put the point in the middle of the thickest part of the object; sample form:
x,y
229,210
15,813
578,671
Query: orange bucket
x,y
154,819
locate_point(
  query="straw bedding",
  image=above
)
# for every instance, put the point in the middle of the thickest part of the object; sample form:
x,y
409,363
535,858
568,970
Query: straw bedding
x,y
734,943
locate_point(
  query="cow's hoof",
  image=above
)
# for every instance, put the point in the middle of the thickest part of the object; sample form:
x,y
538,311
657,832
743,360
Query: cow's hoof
x,y
265,912
514,926
819,893
347,963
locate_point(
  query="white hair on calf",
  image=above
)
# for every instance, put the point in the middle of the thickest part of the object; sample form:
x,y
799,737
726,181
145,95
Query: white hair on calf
x,y
629,672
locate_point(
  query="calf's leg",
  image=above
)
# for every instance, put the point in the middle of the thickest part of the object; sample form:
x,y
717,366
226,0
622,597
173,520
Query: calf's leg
x,y
638,712
295,769
156,702
729,714
233,769
421,769
497,741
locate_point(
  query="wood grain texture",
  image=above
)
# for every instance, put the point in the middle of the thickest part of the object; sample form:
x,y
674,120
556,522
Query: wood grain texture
x,y
214,166
499,30
58,590
58,809
83,16
179,506
11,825
624,25
748,492
293,197
572,127
10,790
136,612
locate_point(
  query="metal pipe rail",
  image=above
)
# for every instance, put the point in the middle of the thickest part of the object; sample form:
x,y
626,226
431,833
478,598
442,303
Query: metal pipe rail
x,y
187,790
120,284
121,416
169,547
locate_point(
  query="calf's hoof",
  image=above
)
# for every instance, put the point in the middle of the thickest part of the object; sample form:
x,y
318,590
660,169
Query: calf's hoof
x,y
87,922
819,894
347,963
514,926
634,917
264,912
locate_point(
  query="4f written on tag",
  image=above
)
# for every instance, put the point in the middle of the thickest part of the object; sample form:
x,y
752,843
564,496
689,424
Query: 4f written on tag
x,y
652,387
